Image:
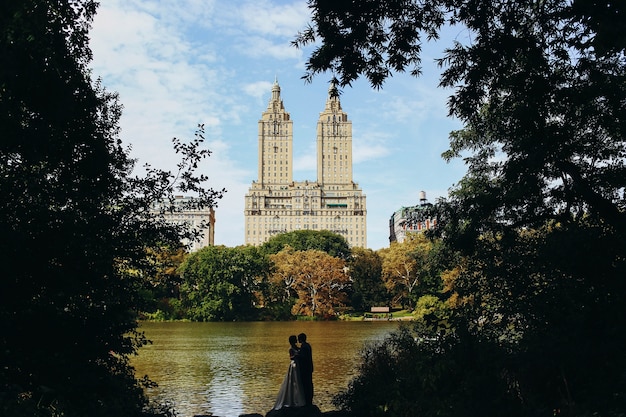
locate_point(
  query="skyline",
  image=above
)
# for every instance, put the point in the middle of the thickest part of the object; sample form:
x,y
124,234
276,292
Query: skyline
x,y
179,64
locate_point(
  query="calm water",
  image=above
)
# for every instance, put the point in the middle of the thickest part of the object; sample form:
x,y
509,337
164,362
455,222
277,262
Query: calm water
x,y
228,369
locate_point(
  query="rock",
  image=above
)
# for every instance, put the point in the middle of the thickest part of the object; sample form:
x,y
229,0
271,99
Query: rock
x,y
251,415
306,411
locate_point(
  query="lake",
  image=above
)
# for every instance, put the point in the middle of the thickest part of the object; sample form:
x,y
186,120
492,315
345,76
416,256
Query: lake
x,y
228,369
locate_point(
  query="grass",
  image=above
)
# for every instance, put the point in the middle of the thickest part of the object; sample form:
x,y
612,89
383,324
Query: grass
x,y
361,315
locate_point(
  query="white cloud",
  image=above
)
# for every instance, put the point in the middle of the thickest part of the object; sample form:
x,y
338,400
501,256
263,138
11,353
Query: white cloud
x,y
142,52
372,145
257,89
264,29
269,18
257,47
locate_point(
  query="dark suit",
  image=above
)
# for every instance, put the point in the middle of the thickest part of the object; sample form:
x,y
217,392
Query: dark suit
x,y
305,357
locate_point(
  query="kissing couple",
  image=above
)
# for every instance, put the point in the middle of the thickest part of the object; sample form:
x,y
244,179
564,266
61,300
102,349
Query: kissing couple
x,y
297,387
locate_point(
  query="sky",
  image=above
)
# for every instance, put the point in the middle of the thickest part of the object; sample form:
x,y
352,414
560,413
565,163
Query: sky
x,y
179,63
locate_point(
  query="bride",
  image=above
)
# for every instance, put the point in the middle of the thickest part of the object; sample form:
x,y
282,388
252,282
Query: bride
x,y
291,393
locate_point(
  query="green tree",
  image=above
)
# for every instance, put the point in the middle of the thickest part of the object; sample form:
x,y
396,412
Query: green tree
x,y
302,240
167,261
71,208
546,298
219,282
162,286
368,289
540,88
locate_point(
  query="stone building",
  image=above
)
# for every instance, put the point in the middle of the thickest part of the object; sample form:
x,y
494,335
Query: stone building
x,y
411,219
183,213
275,203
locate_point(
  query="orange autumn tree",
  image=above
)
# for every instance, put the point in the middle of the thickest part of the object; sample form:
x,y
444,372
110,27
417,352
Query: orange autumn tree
x,y
317,280
404,266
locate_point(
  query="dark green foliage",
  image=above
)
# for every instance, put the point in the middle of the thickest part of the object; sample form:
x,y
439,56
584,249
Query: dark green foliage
x,y
368,289
541,330
161,292
369,38
303,240
277,310
540,89
74,225
537,225
551,299
219,282
408,375
433,263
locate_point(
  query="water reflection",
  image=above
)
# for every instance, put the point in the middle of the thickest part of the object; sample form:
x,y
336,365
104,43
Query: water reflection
x,y
225,394
228,369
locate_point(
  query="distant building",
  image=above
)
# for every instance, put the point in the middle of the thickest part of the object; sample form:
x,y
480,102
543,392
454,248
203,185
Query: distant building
x,y
411,219
275,203
192,217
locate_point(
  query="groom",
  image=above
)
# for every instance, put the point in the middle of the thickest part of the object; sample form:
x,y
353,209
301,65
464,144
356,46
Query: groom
x,y
306,368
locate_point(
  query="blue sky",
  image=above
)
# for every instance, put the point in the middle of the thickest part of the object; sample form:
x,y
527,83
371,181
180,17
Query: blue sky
x,y
179,63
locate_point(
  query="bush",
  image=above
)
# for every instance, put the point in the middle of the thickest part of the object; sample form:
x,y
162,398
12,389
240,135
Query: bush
x,y
410,374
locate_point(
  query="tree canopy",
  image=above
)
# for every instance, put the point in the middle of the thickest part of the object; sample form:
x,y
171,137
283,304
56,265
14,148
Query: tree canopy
x,y
406,268
219,282
75,224
535,229
539,86
318,280
365,269
302,240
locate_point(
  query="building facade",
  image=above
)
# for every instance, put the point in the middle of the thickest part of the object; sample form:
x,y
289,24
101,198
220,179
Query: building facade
x,y
184,213
275,203
411,219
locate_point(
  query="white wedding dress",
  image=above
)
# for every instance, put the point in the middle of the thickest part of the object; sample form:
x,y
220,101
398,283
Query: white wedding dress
x,y
291,393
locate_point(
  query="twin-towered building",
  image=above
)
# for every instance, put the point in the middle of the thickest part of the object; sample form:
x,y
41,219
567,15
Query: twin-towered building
x,y
275,203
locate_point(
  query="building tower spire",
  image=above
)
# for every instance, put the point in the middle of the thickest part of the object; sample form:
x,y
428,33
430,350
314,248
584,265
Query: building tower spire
x,y
275,92
332,102
334,142
275,141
